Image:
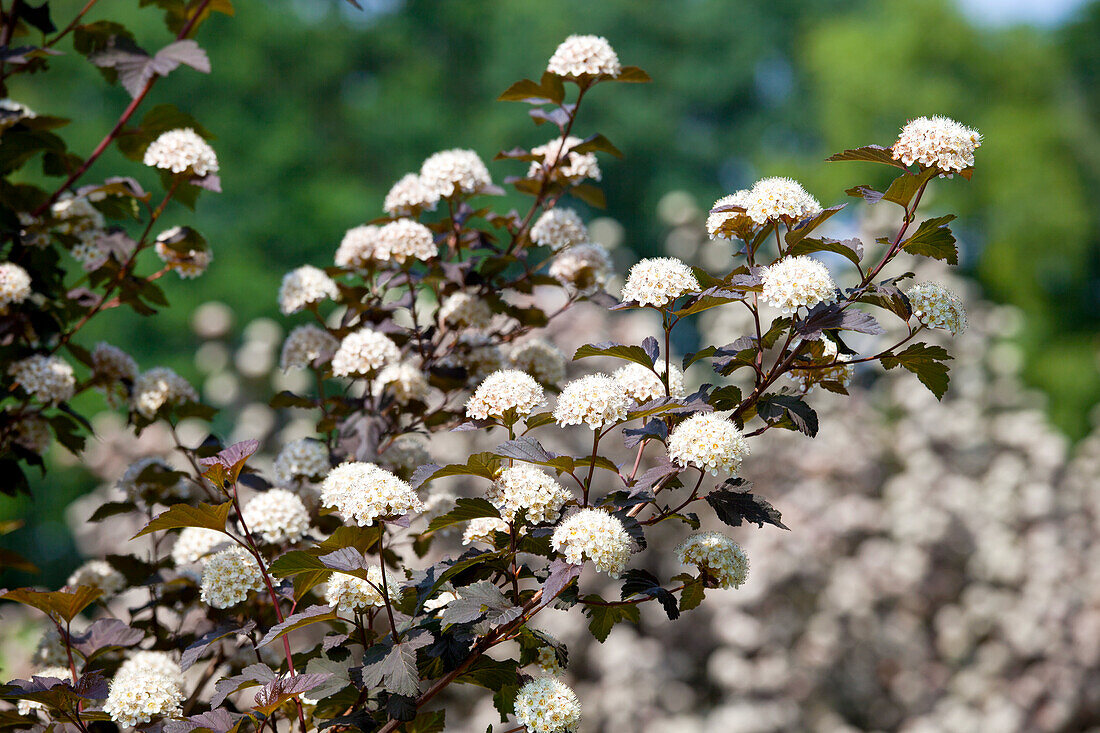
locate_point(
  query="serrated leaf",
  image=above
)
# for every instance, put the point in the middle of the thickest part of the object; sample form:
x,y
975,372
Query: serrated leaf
x,y
194,651
479,464
602,618
795,236
903,188
207,516
64,604
779,409
852,249
868,154
933,238
831,317
736,506
632,353
926,361
312,615
465,510
638,581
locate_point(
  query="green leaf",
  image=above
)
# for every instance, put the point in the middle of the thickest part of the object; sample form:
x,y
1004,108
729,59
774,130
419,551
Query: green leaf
x,y
525,90
795,236
933,238
65,604
596,143
429,721
207,516
868,154
602,618
632,353
479,464
926,362
589,194
780,409
692,595
492,674
850,248
632,75
294,562
903,188
465,510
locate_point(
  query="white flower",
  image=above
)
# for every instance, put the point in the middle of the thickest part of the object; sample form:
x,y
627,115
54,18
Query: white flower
x,y
364,351
152,474
453,172
596,535
150,662
406,381
228,577
363,492
301,459
409,196
407,453
350,594
158,387
717,555
277,515
180,150
937,142
716,220
98,574
357,247
774,199
112,363
405,239
579,56
547,661
539,358
567,165
463,310
77,217
15,285
796,282
502,391
90,255
937,307
595,400
303,287
46,378
138,698
547,705
708,441
528,488
482,529
188,264
194,543
559,228
658,281
644,385
583,267
306,344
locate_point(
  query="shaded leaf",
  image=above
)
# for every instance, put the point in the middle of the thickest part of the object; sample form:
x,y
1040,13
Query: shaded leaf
x,y
736,506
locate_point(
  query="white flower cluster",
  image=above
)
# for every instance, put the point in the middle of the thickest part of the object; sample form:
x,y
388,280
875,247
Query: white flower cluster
x,y
594,400
409,196
539,358
158,387
306,344
98,574
502,391
937,307
404,239
559,228
228,577
644,385
145,688
301,459
583,267
579,56
150,662
547,662
716,220
463,310
135,486
78,218
407,453
194,543
776,199
406,381
658,281
189,264
709,441
796,282
717,555
452,172
46,378
364,492
364,351
567,165
349,593
937,142
303,287
15,285
482,529
547,705
277,515
527,488
596,535
112,363
357,247
181,150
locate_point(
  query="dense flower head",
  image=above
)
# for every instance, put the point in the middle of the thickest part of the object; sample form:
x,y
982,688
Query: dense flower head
x,y
482,529
306,344
301,459
658,281
228,576
348,593
937,142
937,307
406,453
539,358
463,310
194,543
547,661
644,385
112,363
15,285
364,492
277,516
77,217
547,705
410,195
364,351
46,378
594,400
357,248
504,390
405,381
158,387
583,267
796,282
596,535
151,662
189,263
303,287
456,171
139,697
708,441
527,488
579,56
716,220
181,150
559,228
151,474
98,574
567,164
775,199
405,239
717,555
90,255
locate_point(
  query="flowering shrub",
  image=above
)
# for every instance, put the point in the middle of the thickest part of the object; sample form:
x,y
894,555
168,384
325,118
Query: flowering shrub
x,y
330,598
